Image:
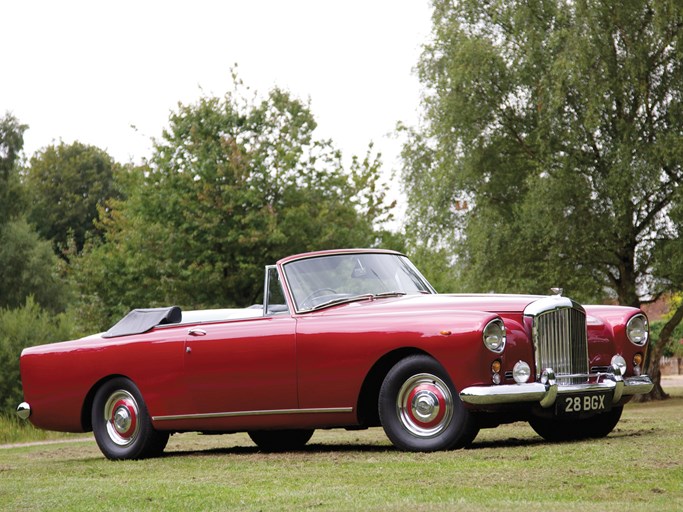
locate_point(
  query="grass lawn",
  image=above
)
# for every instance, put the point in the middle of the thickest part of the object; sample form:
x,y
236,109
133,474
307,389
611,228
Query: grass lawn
x,y
638,467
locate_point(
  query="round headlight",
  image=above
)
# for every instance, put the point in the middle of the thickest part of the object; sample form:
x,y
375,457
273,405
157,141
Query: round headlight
x,y
494,336
637,330
521,372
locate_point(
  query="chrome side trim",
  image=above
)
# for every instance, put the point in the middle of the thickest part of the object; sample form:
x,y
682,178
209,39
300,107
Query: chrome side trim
x,y
210,415
24,410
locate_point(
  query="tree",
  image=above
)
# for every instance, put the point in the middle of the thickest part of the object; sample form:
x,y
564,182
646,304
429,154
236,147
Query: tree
x,y
11,145
559,123
67,184
233,185
27,265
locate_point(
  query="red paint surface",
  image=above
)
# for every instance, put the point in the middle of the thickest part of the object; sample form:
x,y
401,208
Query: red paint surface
x,y
316,360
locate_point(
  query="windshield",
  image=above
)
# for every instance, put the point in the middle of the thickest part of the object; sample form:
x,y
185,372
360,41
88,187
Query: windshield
x,y
316,282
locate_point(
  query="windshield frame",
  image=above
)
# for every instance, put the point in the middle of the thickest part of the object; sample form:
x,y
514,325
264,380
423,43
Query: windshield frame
x,y
296,295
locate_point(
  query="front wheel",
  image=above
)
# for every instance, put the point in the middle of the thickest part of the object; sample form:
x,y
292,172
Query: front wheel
x,y
595,427
280,440
121,424
420,410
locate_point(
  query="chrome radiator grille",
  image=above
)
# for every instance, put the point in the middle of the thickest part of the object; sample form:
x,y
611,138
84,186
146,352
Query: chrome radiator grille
x,y
560,343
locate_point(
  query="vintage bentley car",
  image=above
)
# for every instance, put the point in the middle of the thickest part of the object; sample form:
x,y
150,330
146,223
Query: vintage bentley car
x,y
350,339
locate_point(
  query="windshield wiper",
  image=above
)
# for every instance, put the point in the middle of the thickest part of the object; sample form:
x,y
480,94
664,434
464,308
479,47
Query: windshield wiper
x,y
388,294
353,298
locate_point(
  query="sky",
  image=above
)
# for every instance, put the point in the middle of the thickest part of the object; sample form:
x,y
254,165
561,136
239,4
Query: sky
x,y
109,73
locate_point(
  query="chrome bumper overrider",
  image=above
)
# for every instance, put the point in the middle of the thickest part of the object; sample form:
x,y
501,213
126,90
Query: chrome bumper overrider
x,y
23,410
547,391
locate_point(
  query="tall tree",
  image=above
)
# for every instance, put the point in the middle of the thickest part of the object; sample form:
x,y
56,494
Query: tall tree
x,y
27,265
67,183
233,185
11,145
559,123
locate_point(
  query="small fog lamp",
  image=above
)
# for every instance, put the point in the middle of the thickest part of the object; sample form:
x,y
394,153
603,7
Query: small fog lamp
x,y
521,372
619,362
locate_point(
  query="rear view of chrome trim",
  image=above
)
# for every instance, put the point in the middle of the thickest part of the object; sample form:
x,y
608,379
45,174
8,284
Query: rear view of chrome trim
x,y
235,414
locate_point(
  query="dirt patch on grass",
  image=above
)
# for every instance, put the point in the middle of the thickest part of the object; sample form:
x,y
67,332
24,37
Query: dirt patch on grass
x,y
45,443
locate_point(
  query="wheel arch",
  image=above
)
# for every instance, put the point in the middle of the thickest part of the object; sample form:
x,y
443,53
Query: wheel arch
x,y
86,410
367,405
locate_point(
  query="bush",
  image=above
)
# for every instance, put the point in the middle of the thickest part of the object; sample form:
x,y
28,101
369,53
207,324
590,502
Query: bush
x,y
24,327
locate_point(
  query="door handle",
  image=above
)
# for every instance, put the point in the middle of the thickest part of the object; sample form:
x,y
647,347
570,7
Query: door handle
x,y
197,332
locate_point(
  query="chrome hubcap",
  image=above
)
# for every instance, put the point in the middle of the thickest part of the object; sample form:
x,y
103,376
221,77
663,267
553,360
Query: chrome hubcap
x,y
121,417
425,405
122,420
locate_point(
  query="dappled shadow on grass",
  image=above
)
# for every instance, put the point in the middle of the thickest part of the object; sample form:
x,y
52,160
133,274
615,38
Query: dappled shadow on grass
x,y
364,448
314,448
506,443
332,448
538,441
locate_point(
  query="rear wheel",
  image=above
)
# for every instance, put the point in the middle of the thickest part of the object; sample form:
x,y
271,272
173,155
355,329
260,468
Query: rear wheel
x,y
557,430
121,424
280,440
420,410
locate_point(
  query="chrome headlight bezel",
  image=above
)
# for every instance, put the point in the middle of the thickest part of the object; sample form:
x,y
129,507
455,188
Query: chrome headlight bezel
x,y
637,330
494,336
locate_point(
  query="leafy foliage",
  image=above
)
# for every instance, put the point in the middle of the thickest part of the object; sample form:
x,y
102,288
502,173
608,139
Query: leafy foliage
x,y
673,348
11,144
23,327
559,124
28,267
67,184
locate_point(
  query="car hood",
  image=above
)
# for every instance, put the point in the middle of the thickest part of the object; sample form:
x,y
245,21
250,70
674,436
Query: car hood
x,y
490,303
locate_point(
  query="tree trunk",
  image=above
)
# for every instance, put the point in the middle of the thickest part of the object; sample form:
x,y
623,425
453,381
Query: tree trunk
x,y
654,354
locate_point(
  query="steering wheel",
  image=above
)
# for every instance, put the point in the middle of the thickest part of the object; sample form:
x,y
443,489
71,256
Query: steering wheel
x,y
314,294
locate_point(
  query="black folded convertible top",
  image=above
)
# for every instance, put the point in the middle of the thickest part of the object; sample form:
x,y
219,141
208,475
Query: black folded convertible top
x,y
143,320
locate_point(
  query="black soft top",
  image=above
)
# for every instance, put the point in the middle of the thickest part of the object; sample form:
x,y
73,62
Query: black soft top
x,y
143,320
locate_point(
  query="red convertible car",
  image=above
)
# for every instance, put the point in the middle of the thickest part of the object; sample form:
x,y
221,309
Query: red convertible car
x,y
350,339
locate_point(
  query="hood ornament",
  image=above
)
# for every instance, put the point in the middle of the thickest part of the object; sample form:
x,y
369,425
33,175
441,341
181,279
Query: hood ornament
x,y
557,291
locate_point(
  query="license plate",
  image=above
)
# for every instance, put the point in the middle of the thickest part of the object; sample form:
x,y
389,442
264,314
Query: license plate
x,y
592,403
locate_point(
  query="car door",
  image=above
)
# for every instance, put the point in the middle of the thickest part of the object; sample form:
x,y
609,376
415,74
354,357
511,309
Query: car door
x,y
240,367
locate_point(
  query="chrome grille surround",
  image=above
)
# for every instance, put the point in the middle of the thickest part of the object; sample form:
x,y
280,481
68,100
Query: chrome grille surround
x,y
558,327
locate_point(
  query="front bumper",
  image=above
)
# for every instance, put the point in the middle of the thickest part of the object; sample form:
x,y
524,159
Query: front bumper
x,y
548,390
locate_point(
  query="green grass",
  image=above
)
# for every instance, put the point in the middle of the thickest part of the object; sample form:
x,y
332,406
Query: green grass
x,y
638,467
14,430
